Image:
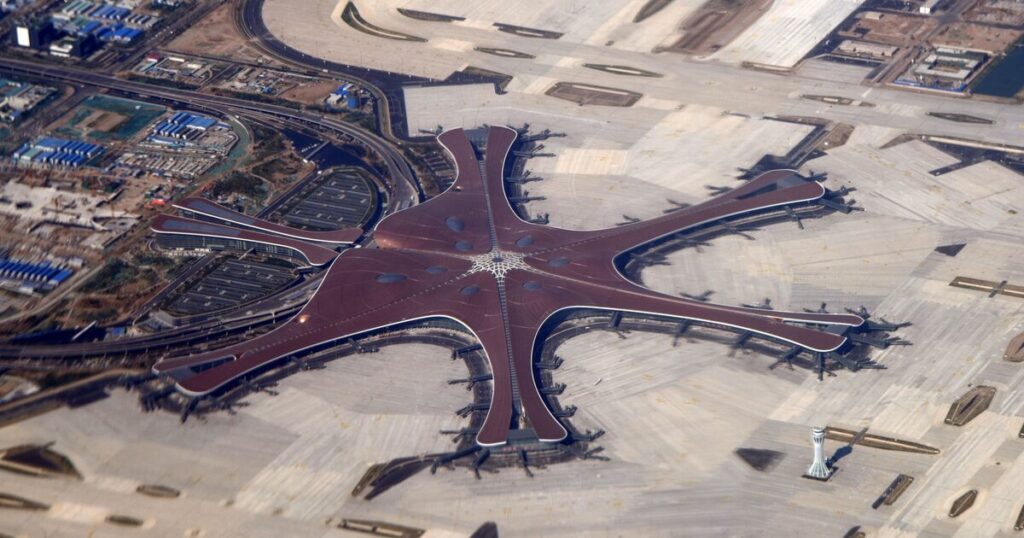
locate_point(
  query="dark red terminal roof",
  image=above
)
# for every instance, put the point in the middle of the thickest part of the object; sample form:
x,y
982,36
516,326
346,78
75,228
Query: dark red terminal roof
x,y
171,225
466,255
204,207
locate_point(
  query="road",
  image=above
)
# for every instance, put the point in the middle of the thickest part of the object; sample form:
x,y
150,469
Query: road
x,y
185,275
177,26
196,267
272,309
710,82
249,23
173,338
406,190
386,86
685,80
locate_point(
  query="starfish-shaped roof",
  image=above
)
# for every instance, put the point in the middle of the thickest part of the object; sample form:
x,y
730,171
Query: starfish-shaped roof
x,y
467,256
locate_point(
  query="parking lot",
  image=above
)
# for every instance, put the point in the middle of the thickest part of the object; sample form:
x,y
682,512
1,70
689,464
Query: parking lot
x,y
342,198
233,282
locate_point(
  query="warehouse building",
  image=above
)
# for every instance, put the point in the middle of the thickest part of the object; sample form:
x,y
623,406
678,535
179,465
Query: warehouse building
x,y
57,152
184,126
28,276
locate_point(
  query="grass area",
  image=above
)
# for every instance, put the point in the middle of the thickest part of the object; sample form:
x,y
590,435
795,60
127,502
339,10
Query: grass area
x,y
362,119
268,141
102,118
114,274
155,260
366,120
275,169
240,183
180,264
269,160
101,315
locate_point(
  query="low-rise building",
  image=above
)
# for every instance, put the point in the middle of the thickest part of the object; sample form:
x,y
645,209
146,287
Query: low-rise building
x,y
73,46
20,98
863,48
184,125
52,151
952,64
41,276
346,96
929,7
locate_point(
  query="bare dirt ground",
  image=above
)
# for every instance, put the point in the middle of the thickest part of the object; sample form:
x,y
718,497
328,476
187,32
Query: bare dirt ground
x,y
310,93
997,11
890,29
103,121
977,36
132,271
216,35
717,23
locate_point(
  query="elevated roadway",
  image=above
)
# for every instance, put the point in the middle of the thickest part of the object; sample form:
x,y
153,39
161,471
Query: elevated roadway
x,y
404,192
173,338
386,86
405,188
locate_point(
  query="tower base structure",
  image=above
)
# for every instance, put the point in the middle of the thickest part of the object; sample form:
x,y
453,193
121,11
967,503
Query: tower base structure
x,y
820,468
831,472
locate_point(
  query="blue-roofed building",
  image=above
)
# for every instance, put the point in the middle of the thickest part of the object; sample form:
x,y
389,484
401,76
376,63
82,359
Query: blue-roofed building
x,y
114,13
62,275
21,152
184,125
49,142
201,122
344,96
33,276
50,150
89,27
126,34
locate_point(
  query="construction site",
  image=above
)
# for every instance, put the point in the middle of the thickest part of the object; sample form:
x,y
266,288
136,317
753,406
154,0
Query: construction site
x,y
83,180
933,46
